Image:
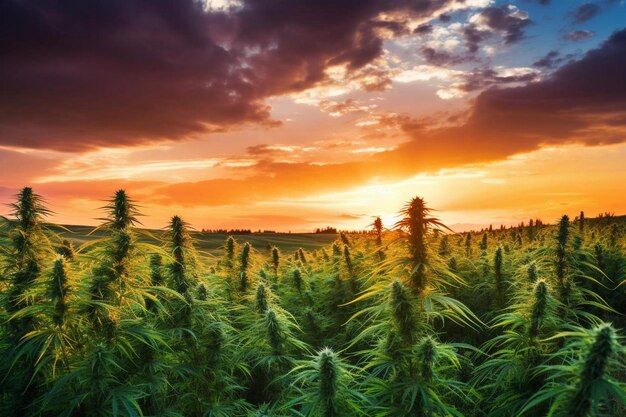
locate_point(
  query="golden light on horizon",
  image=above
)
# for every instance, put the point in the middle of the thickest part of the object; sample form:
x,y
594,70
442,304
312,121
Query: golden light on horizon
x,y
504,192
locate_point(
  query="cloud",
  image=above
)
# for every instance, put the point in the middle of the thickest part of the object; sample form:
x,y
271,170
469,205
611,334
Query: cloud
x,y
481,79
581,102
474,37
80,75
440,58
507,19
456,83
95,191
579,35
265,151
584,12
347,216
552,60
575,104
341,108
549,60
422,29
120,72
20,167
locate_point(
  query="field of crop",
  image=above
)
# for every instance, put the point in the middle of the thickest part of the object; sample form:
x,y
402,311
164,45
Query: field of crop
x,y
409,320
209,244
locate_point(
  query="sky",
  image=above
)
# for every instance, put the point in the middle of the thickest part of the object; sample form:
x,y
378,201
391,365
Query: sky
x,y
290,115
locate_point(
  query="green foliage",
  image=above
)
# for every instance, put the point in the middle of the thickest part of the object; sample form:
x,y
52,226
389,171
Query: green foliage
x,y
325,386
412,321
275,260
586,376
183,257
27,249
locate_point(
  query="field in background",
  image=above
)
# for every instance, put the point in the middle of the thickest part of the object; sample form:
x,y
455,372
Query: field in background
x,y
212,243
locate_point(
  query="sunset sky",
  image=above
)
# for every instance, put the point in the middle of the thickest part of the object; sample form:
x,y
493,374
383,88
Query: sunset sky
x,y
294,114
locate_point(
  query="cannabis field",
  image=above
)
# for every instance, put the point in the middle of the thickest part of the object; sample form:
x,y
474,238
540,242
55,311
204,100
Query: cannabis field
x,y
409,320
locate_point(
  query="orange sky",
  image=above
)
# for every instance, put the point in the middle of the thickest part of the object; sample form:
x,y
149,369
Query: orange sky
x,y
234,116
542,184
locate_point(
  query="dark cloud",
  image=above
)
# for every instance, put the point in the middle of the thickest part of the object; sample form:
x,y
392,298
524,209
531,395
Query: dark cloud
x,y
487,77
439,58
506,20
394,28
79,74
423,29
549,60
261,149
474,37
584,12
553,59
583,101
579,35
